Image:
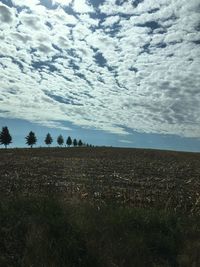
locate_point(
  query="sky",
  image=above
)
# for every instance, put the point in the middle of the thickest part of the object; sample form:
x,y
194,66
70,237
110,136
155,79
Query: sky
x,y
110,72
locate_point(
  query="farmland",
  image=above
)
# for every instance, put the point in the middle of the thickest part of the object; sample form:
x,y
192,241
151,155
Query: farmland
x,y
111,207
136,177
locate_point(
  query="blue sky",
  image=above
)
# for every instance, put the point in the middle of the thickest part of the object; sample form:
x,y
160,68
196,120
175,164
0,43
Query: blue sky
x,y
111,72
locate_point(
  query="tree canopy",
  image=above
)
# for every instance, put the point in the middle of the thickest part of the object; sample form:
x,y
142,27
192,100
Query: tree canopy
x,y
69,141
75,143
80,143
5,137
60,140
31,139
48,140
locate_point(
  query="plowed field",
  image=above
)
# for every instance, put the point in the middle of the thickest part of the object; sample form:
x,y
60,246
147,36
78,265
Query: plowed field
x,y
136,177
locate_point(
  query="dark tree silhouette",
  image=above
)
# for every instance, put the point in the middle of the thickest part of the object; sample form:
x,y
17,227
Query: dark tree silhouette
x,y
5,137
48,140
75,142
69,141
80,143
60,140
31,139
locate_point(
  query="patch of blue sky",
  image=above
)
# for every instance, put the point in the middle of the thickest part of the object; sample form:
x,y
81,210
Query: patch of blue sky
x,y
20,128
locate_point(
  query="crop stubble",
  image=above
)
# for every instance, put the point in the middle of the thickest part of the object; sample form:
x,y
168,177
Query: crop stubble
x,y
137,177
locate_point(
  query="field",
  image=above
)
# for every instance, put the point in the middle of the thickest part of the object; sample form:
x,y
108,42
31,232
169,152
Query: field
x,y
111,207
137,177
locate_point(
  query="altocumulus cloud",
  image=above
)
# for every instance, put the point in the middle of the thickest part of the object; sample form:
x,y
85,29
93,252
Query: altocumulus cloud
x,y
110,65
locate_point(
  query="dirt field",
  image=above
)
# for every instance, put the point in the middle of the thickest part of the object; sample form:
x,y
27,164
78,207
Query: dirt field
x,y
135,177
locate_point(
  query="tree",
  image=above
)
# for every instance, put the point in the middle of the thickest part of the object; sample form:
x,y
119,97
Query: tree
x,y
31,139
80,143
75,142
69,141
48,140
5,137
60,140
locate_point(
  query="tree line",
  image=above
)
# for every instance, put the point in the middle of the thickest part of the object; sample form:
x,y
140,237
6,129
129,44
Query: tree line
x,y
31,139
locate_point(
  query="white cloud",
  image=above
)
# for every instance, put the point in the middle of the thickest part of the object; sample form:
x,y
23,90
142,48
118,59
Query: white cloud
x,y
60,15
81,6
7,17
109,21
110,8
125,141
56,67
28,3
62,2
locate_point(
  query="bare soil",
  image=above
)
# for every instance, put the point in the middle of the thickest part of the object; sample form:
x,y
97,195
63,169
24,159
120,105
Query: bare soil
x,y
136,177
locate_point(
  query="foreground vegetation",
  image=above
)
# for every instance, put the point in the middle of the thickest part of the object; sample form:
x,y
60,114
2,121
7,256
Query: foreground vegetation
x,y
51,232
93,207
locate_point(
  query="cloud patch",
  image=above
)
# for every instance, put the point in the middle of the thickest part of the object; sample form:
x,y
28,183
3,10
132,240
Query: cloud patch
x,y
108,65
5,14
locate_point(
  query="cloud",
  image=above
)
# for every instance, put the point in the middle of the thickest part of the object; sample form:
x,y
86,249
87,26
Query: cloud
x,y
62,2
27,3
81,6
111,8
5,14
31,21
109,21
111,65
125,141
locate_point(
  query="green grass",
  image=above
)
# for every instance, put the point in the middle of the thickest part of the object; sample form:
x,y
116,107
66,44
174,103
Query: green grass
x,y
48,232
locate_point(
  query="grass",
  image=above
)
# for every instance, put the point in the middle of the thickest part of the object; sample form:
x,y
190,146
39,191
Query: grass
x,y
49,232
